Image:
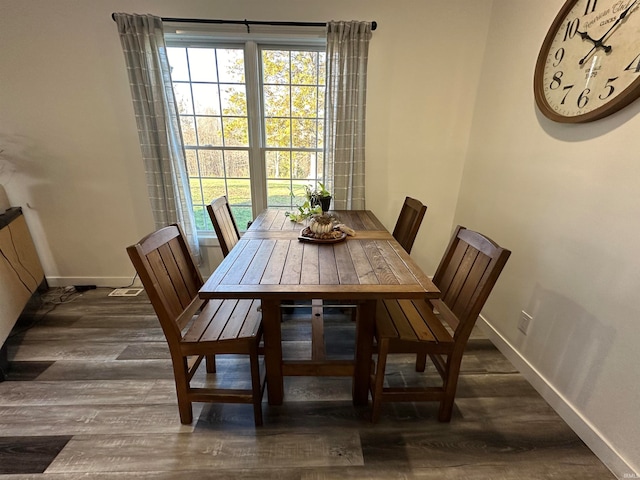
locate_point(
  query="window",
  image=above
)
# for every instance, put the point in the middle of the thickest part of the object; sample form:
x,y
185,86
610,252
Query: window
x,y
252,122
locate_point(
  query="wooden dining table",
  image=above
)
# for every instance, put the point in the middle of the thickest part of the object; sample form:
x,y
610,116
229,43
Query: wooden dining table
x,y
272,263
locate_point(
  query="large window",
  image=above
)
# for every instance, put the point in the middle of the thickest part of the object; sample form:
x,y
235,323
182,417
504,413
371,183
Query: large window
x,y
252,123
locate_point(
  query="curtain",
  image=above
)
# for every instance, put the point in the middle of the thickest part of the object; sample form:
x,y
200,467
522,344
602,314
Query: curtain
x,y
346,88
156,112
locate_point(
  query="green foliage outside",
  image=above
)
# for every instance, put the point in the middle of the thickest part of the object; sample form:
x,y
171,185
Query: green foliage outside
x,y
214,121
239,194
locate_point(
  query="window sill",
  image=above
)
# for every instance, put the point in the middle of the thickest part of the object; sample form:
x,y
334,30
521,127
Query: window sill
x,y
205,240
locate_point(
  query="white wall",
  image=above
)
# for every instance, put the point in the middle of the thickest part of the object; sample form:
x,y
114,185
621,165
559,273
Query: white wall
x,y
564,199
67,124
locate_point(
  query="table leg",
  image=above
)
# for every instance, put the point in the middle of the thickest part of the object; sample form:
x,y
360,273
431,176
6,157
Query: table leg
x,y
271,318
364,351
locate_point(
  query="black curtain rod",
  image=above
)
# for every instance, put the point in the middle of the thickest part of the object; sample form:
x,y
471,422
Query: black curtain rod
x,y
374,24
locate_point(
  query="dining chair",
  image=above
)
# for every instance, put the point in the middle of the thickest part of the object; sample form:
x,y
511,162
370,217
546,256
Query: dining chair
x,y
408,223
194,328
437,328
223,223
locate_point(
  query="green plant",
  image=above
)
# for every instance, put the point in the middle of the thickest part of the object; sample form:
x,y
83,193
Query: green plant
x,y
304,211
311,206
320,192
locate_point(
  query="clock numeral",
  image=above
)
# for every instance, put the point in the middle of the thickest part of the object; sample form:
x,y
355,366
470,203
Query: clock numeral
x,y
634,65
609,89
567,89
572,28
557,81
559,56
583,99
590,7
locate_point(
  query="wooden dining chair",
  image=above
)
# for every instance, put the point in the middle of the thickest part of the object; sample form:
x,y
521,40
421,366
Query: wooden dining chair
x,y
223,223
196,328
437,328
409,222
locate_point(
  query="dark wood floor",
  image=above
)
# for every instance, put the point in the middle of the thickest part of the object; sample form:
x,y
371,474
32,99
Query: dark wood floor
x,y
90,395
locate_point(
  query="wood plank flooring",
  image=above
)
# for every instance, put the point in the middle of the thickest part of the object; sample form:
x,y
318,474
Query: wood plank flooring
x,y
90,394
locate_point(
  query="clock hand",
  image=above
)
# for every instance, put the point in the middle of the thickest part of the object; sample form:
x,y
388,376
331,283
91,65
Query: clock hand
x,y
598,43
585,36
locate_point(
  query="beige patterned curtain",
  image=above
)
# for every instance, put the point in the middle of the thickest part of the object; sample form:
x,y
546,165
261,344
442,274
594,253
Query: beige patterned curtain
x,y
347,53
154,103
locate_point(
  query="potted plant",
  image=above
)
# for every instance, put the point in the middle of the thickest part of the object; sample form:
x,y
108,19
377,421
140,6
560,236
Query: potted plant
x,y
317,202
320,196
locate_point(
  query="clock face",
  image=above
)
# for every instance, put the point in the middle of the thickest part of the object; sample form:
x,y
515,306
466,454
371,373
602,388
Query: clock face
x,y
589,63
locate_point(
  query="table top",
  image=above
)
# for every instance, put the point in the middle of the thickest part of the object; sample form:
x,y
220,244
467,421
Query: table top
x,y
270,261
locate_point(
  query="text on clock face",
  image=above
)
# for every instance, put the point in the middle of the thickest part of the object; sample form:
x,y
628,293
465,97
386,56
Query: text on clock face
x,y
591,72
614,10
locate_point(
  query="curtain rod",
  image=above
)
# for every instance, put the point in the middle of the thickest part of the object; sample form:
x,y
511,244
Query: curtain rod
x,y
247,23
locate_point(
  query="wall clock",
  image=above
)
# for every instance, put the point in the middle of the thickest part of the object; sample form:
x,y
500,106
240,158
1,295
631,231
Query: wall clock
x,y
589,63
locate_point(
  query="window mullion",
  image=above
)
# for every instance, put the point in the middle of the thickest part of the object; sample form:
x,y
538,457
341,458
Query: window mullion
x,y
254,111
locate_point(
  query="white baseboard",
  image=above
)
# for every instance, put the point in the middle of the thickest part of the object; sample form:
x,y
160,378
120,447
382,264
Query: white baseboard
x,y
587,432
110,282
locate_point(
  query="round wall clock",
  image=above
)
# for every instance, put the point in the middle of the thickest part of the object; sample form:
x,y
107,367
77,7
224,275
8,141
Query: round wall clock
x,y
589,63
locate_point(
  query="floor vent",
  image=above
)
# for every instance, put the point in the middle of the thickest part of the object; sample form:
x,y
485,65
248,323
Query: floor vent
x,y
126,292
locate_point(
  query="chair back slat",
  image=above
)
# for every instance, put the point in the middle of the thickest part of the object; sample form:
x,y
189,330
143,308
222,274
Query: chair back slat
x,y
176,285
445,272
188,270
409,222
466,275
158,276
169,276
460,273
474,283
223,224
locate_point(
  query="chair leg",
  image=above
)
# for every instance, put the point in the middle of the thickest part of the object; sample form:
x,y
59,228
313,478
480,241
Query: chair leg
x,y
378,385
421,359
211,363
450,386
180,373
256,385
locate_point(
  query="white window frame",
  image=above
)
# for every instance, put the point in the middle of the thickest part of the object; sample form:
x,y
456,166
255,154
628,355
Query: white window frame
x,y
285,37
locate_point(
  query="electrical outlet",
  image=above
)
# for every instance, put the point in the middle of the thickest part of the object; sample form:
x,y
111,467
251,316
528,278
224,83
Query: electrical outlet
x,y
525,321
